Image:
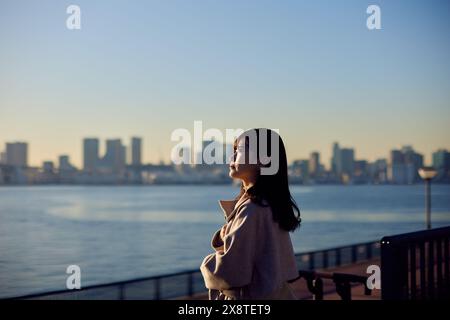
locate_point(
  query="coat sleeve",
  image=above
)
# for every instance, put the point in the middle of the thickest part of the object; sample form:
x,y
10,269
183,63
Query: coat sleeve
x,y
233,267
216,241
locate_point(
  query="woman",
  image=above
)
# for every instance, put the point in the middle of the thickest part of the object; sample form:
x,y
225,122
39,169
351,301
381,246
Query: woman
x,y
254,257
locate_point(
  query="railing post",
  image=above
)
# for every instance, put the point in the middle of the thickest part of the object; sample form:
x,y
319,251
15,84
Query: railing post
x,y
354,253
391,288
190,284
311,260
121,292
369,251
325,259
423,284
440,285
157,289
430,280
413,268
338,257
447,266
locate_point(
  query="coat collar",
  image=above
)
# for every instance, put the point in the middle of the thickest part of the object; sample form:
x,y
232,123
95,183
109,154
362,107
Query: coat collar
x,y
229,207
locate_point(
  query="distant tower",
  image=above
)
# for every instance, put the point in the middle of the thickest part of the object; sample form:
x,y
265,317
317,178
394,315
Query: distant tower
x,y
346,162
17,154
90,154
314,164
64,164
48,167
114,158
403,166
136,151
334,158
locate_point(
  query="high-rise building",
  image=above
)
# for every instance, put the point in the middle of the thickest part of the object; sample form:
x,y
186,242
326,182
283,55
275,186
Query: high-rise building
x,y
17,154
304,169
345,162
404,165
396,168
136,151
314,164
115,156
2,157
378,171
441,162
90,154
361,171
64,164
48,167
414,162
334,157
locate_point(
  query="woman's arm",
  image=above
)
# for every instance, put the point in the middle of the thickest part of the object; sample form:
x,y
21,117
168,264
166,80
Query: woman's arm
x,y
217,239
232,264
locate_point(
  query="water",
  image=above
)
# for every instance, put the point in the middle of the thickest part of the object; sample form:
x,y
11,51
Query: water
x,y
119,233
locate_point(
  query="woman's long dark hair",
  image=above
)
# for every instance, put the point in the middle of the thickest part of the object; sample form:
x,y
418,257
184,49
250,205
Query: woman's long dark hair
x,y
274,188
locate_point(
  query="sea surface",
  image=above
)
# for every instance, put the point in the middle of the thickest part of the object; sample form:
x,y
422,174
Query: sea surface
x,y
124,232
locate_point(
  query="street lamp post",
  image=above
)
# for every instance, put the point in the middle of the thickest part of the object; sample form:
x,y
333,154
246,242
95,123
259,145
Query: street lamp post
x,y
427,173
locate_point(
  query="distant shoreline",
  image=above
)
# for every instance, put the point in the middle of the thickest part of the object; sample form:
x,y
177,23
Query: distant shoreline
x,y
200,184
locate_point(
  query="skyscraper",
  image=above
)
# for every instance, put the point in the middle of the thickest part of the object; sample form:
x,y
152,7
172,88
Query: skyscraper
x,y
90,154
441,162
48,167
64,164
396,170
17,154
114,158
136,154
403,166
314,164
301,168
334,157
345,162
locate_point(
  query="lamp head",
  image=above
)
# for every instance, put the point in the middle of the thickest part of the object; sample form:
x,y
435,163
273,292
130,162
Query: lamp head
x,y
427,173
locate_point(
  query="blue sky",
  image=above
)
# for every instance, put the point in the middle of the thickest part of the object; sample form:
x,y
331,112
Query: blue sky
x,y
309,68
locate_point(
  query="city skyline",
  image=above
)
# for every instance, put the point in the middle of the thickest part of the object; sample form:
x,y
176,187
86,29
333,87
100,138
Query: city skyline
x,y
120,164
132,153
155,156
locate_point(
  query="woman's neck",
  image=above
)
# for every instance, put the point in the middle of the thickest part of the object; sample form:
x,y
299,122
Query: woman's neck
x,y
248,183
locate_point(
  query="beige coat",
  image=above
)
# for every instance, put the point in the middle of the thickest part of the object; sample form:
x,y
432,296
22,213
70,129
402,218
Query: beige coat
x,y
255,258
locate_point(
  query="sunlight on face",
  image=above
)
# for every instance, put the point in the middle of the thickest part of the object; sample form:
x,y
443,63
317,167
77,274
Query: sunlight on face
x,y
243,165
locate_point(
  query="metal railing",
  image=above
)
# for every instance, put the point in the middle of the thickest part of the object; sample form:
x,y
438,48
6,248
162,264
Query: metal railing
x,y
190,282
416,265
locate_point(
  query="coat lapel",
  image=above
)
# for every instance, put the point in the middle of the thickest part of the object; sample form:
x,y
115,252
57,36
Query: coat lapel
x,y
229,207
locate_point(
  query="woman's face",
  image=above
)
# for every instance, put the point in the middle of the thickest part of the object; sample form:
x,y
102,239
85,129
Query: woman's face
x,y
240,168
